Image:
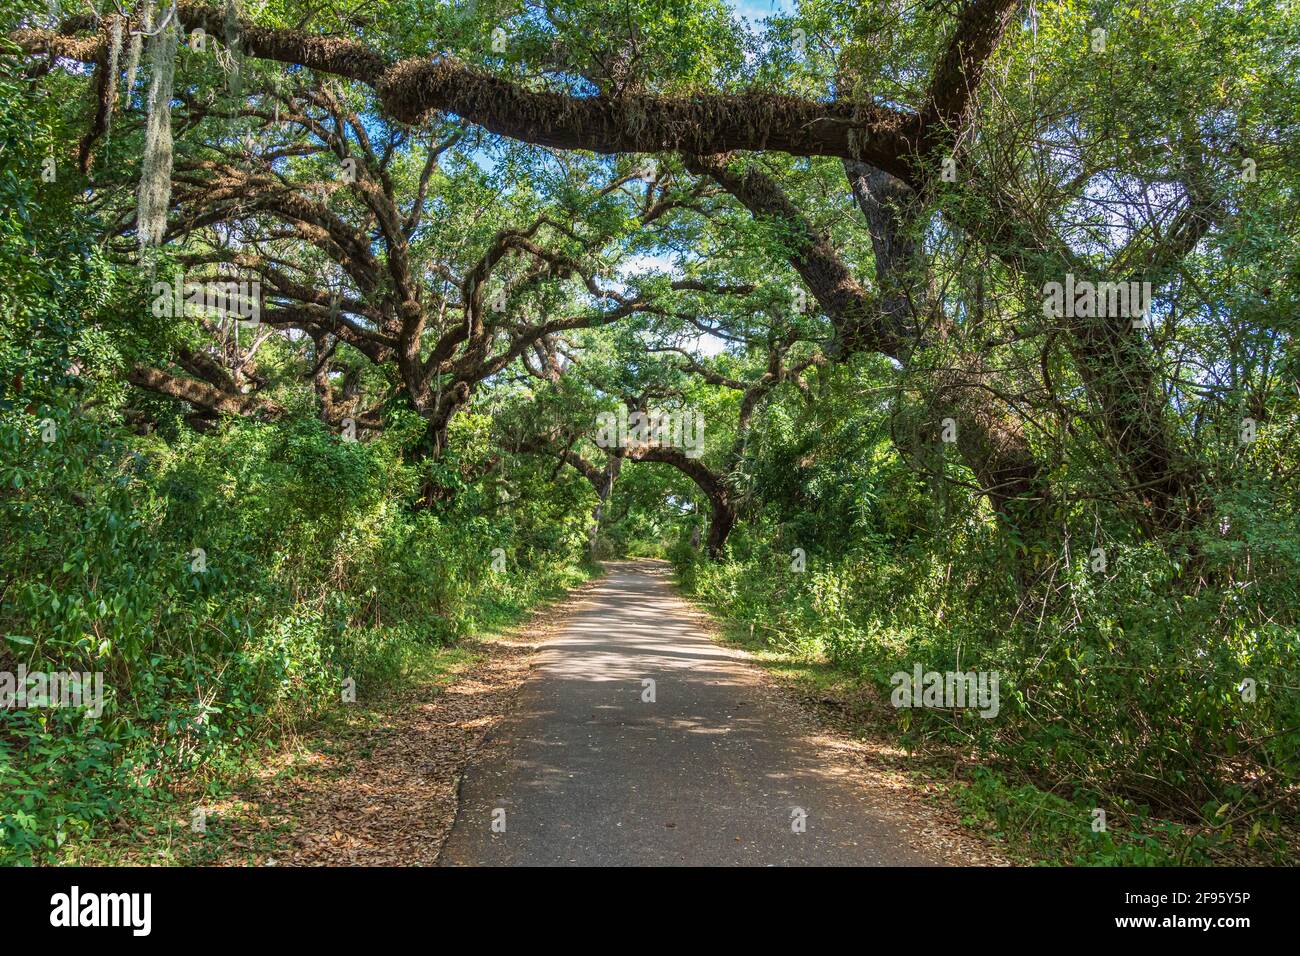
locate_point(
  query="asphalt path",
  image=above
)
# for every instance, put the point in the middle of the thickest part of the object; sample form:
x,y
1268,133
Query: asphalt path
x,y
705,766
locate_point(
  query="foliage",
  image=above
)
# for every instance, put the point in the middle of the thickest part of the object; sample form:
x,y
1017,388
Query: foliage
x,y
185,510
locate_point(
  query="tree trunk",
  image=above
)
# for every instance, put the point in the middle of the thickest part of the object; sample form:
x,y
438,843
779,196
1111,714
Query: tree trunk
x,y
721,521
603,490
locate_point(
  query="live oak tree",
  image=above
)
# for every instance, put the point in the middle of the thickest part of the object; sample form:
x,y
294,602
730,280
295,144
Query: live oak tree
x,y
328,212
907,146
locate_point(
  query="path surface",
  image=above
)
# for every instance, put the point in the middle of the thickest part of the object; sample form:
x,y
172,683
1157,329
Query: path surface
x,y
715,771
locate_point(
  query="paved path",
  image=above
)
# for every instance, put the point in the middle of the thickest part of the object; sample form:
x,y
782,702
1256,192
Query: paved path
x,y
715,771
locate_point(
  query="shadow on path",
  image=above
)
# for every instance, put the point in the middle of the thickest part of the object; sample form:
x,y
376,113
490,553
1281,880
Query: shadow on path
x,y
714,771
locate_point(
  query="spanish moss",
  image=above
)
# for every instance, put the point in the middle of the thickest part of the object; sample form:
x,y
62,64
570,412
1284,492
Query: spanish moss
x,y
156,165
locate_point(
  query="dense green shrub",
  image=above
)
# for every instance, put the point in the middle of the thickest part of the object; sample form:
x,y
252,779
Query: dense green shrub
x,y
1124,687
316,570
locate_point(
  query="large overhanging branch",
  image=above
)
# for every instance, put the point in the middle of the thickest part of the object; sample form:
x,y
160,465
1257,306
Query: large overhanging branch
x,y
560,445
201,394
858,323
889,138
706,479
956,78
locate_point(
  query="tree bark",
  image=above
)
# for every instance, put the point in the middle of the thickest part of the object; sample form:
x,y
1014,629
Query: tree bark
x,y
991,440
721,520
899,141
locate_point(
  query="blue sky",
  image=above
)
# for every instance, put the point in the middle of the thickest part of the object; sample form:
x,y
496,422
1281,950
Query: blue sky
x,y
756,10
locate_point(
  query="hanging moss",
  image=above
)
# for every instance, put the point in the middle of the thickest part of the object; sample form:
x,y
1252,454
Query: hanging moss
x,y
156,166
114,59
144,23
232,44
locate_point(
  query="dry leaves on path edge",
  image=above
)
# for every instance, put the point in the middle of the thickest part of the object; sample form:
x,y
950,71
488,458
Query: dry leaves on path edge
x,y
385,795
